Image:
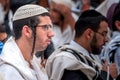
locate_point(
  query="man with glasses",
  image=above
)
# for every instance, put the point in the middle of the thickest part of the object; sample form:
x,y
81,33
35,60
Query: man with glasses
x,y
111,51
33,31
73,61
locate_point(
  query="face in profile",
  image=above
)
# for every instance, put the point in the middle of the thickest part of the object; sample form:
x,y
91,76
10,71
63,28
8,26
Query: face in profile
x,y
44,32
100,38
54,13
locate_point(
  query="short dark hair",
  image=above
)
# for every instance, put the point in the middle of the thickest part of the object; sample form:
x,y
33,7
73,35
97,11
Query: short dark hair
x,y
88,19
31,22
116,16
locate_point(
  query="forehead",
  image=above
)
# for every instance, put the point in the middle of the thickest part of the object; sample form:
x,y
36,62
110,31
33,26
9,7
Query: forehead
x,y
103,26
45,20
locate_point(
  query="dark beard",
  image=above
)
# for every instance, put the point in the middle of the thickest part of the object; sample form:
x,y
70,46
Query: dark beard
x,y
95,49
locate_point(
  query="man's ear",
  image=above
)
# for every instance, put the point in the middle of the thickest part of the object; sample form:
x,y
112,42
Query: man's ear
x,y
89,33
27,31
117,24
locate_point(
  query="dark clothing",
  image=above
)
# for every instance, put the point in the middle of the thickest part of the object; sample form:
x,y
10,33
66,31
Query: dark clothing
x,y
74,75
78,75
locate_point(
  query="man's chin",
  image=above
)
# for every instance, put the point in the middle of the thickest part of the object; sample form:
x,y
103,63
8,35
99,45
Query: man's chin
x,y
97,52
42,49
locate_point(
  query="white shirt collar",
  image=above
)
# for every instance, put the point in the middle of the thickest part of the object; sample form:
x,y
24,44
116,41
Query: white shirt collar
x,y
80,48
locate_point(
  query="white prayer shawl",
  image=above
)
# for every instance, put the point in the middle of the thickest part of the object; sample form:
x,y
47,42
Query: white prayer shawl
x,y
1,76
62,37
110,46
14,66
59,61
42,72
115,39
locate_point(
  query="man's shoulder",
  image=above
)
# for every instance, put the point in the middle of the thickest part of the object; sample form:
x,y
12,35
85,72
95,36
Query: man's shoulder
x,y
63,51
9,71
62,54
6,66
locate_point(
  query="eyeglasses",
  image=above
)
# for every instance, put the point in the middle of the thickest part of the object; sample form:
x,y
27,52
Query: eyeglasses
x,y
46,27
104,34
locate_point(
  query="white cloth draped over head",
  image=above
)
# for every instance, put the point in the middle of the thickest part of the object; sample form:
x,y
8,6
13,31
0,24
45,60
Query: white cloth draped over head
x,y
104,6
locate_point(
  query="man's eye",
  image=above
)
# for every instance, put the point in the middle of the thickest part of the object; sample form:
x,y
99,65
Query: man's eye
x,y
46,27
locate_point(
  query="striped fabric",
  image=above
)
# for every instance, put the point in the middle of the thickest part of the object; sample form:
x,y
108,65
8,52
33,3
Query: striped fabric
x,y
84,59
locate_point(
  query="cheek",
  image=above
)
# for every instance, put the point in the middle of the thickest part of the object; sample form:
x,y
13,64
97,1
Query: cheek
x,y
99,42
39,43
40,38
96,41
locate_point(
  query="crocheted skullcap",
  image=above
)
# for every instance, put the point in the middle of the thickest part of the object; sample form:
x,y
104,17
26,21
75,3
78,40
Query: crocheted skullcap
x,y
28,10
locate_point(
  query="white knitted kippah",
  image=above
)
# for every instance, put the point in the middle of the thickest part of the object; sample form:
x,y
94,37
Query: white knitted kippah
x,y
28,10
